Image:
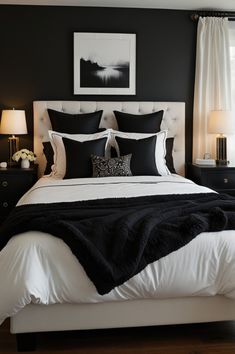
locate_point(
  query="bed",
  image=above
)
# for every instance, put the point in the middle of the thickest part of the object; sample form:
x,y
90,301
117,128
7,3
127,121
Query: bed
x,y
202,303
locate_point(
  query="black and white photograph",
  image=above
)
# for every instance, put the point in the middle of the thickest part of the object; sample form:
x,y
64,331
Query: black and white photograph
x,y
104,63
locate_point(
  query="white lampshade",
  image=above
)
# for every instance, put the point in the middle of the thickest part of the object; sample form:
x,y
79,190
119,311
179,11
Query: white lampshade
x,y
13,122
221,122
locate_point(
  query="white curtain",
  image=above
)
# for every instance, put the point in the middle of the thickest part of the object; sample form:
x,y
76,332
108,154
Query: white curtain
x,y
212,80
231,138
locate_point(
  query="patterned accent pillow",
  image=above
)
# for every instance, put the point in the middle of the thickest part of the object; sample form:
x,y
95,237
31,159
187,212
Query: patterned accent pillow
x,y
108,167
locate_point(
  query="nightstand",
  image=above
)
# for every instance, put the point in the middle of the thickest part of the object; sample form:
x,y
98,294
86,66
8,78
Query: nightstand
x,y
14,182
219,178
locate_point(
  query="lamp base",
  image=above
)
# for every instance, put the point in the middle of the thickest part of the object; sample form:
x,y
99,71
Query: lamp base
x,y
222,162
13,142
221,151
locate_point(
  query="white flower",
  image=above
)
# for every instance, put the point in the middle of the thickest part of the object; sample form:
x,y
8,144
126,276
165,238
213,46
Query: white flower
x,y
31,158
16,158
24,154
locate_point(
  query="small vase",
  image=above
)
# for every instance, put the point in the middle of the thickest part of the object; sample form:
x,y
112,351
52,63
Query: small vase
x,y
25,163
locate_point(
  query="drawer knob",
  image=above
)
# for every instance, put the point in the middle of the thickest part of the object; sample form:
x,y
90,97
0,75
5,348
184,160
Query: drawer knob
x,y
5,205
4,183
225,180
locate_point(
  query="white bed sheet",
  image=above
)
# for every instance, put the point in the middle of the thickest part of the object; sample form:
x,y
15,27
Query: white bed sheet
x,y
50,189
40,268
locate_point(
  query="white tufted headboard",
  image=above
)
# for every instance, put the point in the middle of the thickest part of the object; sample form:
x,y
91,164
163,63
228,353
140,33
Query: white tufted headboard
x,y
173,121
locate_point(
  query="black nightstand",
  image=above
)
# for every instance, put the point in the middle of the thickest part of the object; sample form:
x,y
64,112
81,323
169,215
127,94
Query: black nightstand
x,y
219,178
14,182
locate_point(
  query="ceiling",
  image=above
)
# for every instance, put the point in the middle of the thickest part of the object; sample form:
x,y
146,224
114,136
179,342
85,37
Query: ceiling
x,y
228,5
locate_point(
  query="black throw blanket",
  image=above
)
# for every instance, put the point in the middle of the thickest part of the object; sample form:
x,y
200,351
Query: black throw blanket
x,y
114,239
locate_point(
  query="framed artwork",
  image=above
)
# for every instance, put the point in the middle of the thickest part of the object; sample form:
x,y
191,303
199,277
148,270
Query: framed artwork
x,y
104,63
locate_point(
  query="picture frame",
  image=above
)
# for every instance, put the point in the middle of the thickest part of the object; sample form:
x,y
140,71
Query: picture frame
x,y
104,63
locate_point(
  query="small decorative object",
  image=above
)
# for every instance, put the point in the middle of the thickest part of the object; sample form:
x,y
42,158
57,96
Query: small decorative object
x,y
205,162
3,164
207,156
13,122
26,156
104,63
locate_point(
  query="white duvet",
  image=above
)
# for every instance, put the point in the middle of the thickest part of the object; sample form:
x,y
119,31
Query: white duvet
x,y
42,269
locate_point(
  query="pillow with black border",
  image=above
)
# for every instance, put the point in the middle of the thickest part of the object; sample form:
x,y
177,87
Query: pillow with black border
x,y
143,155
169,156
110,167
78,156
139,123
49,154
83,123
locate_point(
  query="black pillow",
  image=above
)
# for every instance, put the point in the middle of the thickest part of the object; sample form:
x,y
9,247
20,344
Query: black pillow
x,y
85,123
109,167
143,155
169,157
78,156
135,123
49,154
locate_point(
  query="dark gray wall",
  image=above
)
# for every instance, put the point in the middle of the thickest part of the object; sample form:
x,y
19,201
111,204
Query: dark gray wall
x,y
36,56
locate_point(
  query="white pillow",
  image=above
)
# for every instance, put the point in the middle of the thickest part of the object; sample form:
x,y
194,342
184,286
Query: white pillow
x,y
59,167
160,150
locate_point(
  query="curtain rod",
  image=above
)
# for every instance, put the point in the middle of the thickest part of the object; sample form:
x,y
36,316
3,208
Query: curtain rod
x,y
195,15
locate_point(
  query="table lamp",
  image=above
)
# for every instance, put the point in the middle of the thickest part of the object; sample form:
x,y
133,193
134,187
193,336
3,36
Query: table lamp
x,y
221,122
13,122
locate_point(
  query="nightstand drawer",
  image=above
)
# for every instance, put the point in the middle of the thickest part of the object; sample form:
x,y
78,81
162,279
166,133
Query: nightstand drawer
x,y
221,180
4,184
14,182
6,206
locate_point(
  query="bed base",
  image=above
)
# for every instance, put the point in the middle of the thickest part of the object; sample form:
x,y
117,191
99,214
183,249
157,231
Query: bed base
x,y
26,342
133,313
